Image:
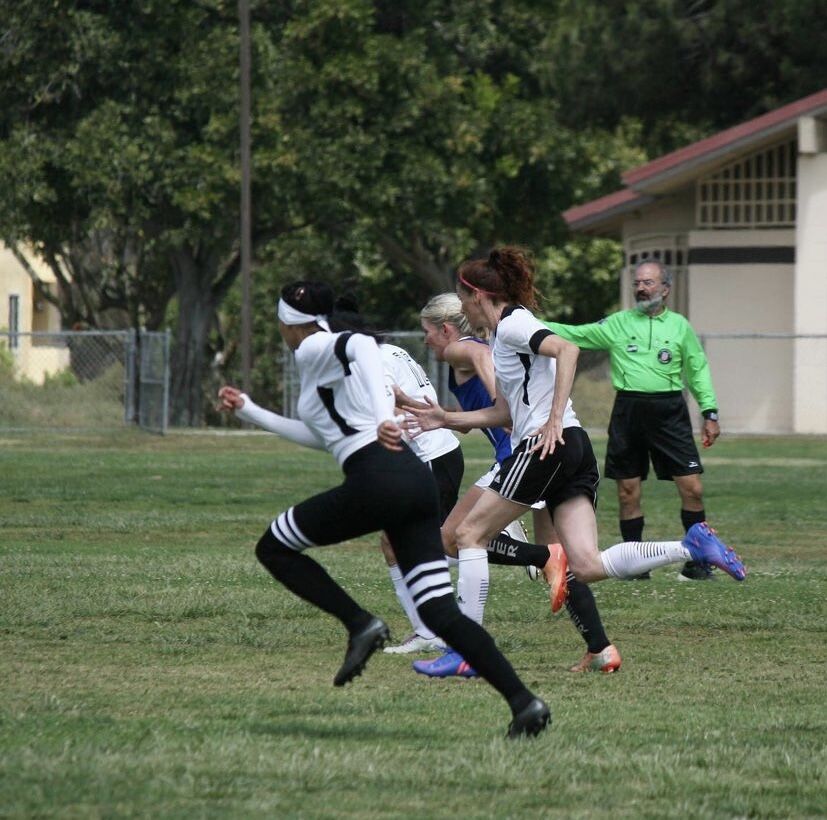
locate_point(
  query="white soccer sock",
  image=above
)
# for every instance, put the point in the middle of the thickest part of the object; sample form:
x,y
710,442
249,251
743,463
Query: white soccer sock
x,y
472,583
452,562
631,558
407,603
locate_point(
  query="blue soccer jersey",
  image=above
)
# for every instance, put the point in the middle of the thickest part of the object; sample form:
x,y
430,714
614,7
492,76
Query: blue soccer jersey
x,y
472,395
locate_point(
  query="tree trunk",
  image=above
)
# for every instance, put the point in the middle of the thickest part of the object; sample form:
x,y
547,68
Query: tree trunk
x,y
196,306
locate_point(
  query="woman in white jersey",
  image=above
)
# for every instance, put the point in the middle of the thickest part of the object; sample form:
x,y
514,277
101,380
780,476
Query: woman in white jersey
x,y
552,457
345,408
440,450
471,379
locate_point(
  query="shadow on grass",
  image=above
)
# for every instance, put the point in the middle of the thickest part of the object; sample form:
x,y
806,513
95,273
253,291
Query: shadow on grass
x,y
296,727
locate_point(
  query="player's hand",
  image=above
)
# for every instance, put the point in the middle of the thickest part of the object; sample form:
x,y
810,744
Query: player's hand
x,y
422,420
551,434
404,402
710,432
229,399
389,435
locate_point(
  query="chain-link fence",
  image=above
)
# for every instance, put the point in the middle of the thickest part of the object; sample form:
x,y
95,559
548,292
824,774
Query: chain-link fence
x,y
593,391
84,380
765,382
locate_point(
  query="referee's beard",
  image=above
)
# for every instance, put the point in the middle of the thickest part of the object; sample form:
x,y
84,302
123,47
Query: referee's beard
x,y
649,306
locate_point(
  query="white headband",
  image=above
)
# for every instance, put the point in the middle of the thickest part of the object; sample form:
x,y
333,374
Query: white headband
x,y
291,316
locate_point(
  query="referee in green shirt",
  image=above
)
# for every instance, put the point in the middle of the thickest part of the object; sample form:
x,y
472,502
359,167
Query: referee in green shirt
x,y
653,351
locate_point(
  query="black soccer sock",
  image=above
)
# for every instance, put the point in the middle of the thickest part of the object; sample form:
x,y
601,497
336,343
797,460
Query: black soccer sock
x,y
503,549
632,529
690,517
461,633
582,610
310,581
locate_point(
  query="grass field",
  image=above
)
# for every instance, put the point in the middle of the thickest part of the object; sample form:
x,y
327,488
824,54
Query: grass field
x,y
150,668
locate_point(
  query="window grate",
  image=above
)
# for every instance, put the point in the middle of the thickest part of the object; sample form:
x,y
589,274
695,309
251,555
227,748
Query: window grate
x,y
756,191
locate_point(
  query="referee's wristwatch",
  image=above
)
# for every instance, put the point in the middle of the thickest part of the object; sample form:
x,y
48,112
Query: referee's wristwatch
x,y
710,415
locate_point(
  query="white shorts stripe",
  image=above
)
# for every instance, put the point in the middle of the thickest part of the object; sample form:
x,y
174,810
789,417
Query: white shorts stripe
x,y
518,469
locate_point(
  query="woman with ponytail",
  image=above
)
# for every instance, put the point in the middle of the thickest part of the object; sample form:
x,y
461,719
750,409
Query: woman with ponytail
x,y
471,380
552,457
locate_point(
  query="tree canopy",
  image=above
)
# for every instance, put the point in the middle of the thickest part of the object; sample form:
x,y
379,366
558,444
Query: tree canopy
x,y
390,141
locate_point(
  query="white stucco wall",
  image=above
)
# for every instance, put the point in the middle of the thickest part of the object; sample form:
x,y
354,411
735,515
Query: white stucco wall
x,y
810,298
753,377
33,359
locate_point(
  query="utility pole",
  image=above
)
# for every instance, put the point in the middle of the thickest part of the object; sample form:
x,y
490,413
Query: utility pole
x,y
246,231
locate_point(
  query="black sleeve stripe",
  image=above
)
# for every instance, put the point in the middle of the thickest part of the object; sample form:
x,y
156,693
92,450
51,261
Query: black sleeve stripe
x,y
341,354
537,339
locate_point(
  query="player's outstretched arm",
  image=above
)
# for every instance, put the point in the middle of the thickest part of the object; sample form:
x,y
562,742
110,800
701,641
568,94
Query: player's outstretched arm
x,y
420,421
245,409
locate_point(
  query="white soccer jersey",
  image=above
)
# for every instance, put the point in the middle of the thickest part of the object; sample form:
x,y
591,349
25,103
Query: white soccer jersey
x,y
524,377
402,370
341,400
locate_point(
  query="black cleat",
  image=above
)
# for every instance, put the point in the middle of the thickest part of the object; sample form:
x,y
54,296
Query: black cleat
x,y
530,721
360,646
693,571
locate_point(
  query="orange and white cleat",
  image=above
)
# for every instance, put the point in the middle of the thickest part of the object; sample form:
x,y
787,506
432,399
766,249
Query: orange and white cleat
x,y
606,661
554,572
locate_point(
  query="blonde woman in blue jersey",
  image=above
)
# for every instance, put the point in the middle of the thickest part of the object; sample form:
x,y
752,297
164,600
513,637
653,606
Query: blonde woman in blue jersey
x,y
345,408
552,457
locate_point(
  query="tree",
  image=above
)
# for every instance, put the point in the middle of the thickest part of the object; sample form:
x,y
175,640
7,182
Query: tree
x,y
118,147
683,68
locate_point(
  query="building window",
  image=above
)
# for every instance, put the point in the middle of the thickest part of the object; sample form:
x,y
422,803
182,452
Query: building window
x,y
755,192
14,321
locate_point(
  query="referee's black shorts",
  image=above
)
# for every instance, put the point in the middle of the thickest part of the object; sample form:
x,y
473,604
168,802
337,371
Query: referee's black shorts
x,y
652,426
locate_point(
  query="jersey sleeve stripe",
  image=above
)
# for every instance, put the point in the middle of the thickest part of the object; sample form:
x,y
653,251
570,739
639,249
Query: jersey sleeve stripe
x,y
537,339
341,354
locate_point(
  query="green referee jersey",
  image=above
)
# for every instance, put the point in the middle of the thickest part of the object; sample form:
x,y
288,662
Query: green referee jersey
x,y
649,354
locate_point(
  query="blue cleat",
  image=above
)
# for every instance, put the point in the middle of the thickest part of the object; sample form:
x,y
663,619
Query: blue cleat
x,y
707,549
449,665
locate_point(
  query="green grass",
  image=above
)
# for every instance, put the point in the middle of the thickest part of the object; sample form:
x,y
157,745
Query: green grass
x,y
150,668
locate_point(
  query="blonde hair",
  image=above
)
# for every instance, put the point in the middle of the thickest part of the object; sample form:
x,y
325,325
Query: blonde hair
x,y
446,309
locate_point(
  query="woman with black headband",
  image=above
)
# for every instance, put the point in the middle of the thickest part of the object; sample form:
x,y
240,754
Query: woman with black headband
x,y
345,408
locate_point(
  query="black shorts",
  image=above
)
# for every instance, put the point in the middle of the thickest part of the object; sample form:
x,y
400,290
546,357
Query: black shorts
x,y
382,490
448,470
570,471
655,426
